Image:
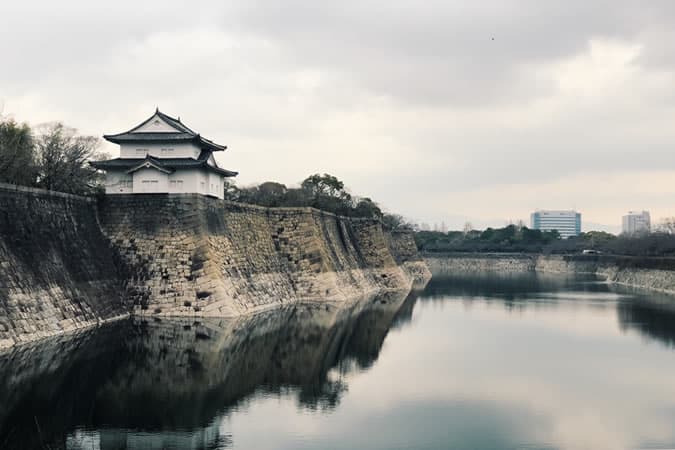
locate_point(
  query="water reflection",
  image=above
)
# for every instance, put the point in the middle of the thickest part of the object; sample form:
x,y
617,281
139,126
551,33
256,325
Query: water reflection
x,y
653,316
475,362
509,286
171,379
650,313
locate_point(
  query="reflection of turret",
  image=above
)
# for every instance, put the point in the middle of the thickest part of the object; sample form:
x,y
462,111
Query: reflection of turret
x,y
181,374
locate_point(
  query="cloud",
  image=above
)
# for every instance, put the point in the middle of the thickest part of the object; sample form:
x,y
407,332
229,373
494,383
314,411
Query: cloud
x,y
411,104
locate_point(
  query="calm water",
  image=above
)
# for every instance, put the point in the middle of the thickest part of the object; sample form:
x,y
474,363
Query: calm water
x,y
484,362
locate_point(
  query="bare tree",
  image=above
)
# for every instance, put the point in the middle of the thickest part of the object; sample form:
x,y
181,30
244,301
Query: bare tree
x,y
63,160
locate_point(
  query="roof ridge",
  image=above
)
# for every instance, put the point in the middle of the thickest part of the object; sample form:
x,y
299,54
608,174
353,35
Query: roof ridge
x,y
180,132
175,122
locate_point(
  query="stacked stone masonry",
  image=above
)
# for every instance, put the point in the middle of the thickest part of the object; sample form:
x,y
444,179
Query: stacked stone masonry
x,y
57,270
194,255
69,262
612,269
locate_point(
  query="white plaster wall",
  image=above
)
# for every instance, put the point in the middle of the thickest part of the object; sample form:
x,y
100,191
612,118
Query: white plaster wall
x,y
118,182
183,150
156,125
214,185
180,182
150,181
186,181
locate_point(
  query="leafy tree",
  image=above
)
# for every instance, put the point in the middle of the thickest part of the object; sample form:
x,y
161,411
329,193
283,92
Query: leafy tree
x,y
272,193
328,193
667,225
367,208
511,238
323,192
17,153
397,222
324,186
63,160
296,197
231,191
269,194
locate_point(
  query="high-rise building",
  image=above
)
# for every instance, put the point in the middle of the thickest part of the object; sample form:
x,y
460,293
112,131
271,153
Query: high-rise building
x,y
636,222
567,223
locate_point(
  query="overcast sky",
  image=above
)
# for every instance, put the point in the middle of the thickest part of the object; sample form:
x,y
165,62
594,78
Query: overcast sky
x,y
439,110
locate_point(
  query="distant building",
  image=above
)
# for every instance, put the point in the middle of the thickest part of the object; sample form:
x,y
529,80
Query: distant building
x,y
567,223
162,155
636,222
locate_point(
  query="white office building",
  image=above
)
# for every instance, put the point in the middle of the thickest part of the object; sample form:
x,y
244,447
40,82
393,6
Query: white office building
x,y
636,222
566,222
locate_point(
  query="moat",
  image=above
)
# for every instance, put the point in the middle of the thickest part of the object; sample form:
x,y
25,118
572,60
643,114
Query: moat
x,y
516,361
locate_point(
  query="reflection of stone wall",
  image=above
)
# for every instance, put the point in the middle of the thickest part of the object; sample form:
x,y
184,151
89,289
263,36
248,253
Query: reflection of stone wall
x,y
616,270
163,375
57,272
194,255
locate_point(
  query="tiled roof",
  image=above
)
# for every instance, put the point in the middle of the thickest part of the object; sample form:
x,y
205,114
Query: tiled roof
x,y
169,164
182,134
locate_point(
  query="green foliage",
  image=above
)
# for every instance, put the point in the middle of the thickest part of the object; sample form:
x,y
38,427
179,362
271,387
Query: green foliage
x,y
396,222
17,157
365,207
508,239
325,192
653,244
324,186
526,240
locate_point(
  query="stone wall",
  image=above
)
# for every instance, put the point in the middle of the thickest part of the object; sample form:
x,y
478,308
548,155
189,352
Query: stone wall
x,y
69,262
57,271
470,262
404,249
620,270
193,255
614,269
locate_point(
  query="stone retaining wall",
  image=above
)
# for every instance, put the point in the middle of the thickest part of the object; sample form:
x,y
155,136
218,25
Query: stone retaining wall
x,y
69,262
611,269
57,271
614,269
458,263
195,255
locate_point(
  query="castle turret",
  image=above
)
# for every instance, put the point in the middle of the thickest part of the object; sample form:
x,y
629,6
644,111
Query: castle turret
x,y
162,155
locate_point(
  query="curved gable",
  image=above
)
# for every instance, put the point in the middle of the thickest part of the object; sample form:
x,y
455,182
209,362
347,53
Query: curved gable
x,y
156,124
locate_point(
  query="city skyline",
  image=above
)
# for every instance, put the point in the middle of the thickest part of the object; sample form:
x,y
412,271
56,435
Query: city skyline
x,y
642,219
